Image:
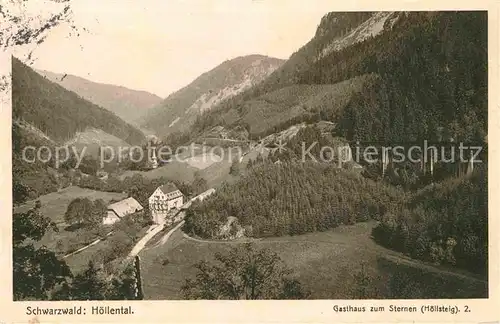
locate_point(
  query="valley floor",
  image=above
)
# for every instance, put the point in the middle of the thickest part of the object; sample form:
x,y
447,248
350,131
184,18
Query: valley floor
x,y
214,169
328,264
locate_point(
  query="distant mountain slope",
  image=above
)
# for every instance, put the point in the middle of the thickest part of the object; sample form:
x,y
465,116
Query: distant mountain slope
x,y
432,69
336,30
128,104
433,85
376,24
60,113
279,109
179,110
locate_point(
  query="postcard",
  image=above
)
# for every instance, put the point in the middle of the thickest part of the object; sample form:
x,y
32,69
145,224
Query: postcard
x,y
218,161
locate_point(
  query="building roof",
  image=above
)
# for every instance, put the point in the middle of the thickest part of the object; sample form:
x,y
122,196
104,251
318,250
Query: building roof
x,y
125,207
204,194
200,197
168,188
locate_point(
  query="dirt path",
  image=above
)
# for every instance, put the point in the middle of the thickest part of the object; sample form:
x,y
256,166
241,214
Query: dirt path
x,y
428,267
247,240
86,246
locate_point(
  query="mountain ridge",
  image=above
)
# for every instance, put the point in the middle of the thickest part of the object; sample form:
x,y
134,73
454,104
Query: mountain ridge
x,y
418,48
179,110
60,113
333,26
128,104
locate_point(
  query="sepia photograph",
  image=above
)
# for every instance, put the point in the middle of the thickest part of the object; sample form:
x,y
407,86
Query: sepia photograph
x,y
237,151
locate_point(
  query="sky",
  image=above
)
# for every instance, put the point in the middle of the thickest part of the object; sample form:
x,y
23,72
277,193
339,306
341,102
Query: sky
x,y
161,46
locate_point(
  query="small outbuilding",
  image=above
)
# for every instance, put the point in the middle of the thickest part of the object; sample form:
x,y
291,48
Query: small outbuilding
x,y
120,209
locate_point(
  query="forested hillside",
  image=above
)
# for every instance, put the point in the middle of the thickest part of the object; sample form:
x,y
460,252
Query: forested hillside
x,y
428,81
45,113
34,176
293,198
29,180
279,109
433,85
433,79
60,113
446,223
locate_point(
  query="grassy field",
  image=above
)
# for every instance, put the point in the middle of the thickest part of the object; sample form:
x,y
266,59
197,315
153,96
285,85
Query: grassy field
x,y
326,263
80,261
203,161
174,170
212,169
217,173
54,206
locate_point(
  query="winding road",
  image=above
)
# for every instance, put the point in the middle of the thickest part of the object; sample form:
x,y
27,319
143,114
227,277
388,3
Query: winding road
x,y
155,229
165,238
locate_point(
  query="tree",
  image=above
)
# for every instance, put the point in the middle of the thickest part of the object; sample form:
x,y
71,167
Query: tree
x,y
20,191
292,198
39,275
259,159
73,214
99,210
89,285
199,183
124,287
60,247
36,272
79,212
365,284
114,184
244,273
235,168
89,166
94,284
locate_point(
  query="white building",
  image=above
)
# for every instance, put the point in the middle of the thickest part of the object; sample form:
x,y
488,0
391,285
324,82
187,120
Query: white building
x,y
120,209
164,202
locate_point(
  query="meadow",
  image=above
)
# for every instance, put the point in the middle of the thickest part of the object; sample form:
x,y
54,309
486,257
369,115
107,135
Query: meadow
x,y
330,264
183,169
54,206
174,170
111,247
